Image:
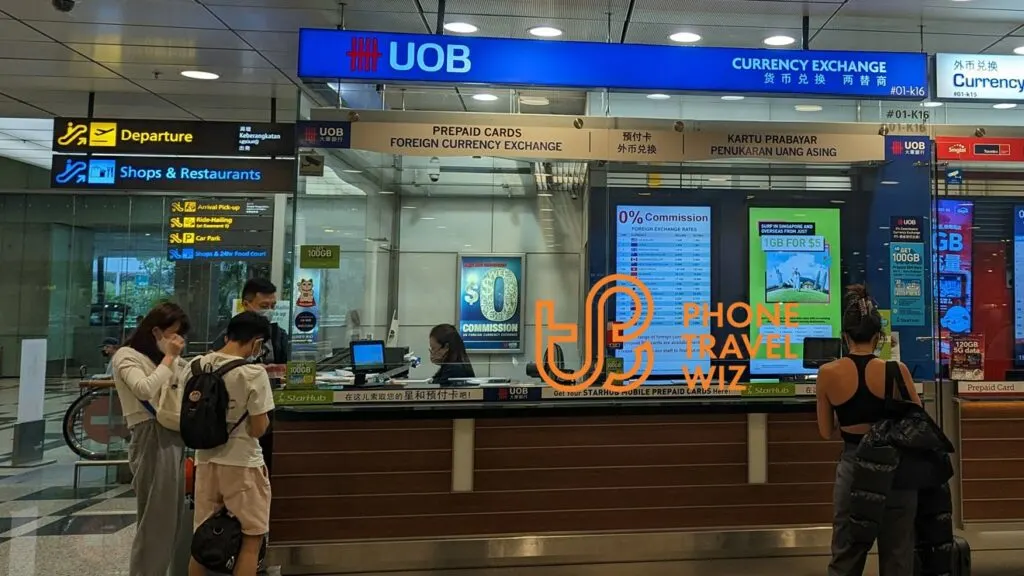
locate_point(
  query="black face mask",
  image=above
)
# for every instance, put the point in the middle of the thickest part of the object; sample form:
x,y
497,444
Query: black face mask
x,y
105,354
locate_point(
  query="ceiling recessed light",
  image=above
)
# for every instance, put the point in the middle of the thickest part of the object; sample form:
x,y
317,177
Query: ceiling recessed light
x,y
779,40
685,37
545,32
534,101
887,183
733,98
807,108
484,97
199,75
460,27
428,218
351,171
1018,50
1004,106
658,96
931,104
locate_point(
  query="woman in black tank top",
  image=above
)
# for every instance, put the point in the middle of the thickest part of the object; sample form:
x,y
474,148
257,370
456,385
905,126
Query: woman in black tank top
x,y
854,414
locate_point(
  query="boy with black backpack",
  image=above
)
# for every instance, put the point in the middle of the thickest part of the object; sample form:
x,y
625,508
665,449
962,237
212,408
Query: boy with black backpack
x,y
224,410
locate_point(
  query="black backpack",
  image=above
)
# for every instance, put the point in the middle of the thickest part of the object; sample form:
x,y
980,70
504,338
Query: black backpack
x,y
204,406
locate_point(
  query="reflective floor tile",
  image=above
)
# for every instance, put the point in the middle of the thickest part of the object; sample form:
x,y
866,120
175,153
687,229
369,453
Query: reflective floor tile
x,y
105,555
86,525
110,506
36,508
65,493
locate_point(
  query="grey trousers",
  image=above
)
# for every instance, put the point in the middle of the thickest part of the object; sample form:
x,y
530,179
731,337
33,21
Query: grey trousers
x,y
156,456
895,537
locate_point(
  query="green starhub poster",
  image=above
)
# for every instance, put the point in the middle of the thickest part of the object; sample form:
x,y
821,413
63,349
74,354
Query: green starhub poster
x,y
794,269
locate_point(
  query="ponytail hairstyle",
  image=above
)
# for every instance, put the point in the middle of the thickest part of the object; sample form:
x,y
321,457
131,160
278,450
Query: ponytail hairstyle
x,y
862,322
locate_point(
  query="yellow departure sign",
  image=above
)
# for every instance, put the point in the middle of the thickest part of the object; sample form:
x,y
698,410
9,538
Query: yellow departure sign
x,y
173,137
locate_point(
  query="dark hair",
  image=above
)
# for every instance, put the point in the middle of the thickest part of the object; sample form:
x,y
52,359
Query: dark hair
x,y
257,286
162,316
246,327
447,335
861,319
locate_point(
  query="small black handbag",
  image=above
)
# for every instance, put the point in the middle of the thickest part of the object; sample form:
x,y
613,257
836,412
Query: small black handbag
x,y
217,541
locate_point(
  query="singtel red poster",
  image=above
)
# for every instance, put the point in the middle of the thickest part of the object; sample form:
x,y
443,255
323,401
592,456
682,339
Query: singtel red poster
x,y
953,247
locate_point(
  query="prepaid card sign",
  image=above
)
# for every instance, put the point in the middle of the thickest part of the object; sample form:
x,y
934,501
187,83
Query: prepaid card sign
x,y
794,260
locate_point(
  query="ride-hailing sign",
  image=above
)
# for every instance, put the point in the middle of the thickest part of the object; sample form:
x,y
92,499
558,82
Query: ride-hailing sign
x,y
159,137
219,229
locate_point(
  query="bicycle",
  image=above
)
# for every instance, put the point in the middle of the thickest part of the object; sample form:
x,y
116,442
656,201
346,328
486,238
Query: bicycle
x,y
93,425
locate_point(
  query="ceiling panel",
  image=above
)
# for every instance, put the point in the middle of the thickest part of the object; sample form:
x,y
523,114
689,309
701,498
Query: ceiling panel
x,y
172,56
10,107
15,31
381,5
169,13
1006,46
81,85
13,49
556,9
657,33
58,68
574,29
272,41
275,19
222,89
227,74
402,22
72,32
931,26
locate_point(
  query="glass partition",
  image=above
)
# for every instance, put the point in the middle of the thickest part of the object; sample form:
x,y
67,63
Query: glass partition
x,y
494,245
85,267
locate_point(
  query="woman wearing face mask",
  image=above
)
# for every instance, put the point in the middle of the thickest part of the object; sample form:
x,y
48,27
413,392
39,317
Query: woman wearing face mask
x,y
449,352
142,368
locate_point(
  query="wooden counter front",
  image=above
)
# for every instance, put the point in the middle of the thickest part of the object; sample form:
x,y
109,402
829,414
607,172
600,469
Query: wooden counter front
x,y
992,461
340,480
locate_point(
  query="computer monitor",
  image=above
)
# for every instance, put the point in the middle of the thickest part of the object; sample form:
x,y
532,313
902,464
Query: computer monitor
x,y
820,351
367,356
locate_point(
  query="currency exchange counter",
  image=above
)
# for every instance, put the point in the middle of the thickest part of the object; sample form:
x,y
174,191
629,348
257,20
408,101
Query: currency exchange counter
x,y
384,480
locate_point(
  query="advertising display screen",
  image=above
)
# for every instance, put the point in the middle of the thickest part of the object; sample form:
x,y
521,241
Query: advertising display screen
x,y
668,248
1018,284
490,306
953,245
794,266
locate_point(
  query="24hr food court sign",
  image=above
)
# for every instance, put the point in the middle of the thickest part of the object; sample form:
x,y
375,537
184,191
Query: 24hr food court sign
x,y
383,57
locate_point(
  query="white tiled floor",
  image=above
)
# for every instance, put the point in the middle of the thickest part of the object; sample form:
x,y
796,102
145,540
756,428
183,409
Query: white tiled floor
x,y
47,527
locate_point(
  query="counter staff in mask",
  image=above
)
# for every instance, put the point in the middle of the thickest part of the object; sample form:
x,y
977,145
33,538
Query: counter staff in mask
x,y
448,352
